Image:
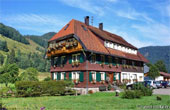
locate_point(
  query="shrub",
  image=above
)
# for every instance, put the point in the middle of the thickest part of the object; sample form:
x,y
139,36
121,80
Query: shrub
x,y
146,91
47,79
131,94
109,87
35,88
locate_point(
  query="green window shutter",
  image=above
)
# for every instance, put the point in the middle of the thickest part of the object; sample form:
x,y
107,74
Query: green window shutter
x,y
90,76
119,76
114,76
64,75
81,58
70,59
70,75
106,60
65,59
98,76
105,76
81,76
58,75
59,61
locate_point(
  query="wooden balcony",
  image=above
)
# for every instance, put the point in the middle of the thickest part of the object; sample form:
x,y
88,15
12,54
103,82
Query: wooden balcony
x,y
64,49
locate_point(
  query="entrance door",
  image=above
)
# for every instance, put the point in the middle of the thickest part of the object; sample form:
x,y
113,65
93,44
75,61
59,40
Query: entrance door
x,y
110,77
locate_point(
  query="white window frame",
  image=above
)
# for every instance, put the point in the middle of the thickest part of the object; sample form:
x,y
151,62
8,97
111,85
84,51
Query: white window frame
x,y
102,76
62,75
93,75
55,76
76,57
75,75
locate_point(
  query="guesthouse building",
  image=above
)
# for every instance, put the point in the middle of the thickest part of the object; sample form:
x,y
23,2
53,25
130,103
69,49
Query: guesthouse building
x,y
92,57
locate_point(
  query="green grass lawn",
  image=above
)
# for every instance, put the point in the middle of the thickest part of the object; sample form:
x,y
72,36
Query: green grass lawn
x,y
97,101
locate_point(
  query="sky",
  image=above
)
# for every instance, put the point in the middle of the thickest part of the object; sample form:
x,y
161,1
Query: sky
x,y
140,22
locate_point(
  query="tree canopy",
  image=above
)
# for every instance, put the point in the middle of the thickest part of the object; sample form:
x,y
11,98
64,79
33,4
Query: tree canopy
x,y
153,72
30,74
161,66
3,46
9,73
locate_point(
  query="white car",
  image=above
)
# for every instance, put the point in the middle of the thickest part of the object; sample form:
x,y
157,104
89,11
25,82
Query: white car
x,y
151,83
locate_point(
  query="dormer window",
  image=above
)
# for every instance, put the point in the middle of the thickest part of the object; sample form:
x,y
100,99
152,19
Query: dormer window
x,y
66,27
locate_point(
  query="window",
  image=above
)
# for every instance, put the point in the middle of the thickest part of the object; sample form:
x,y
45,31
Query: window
x,y
102,76
66,27
93,58
124,76
93,75
124,62
55,61
110,59
133,63
75,75
62,75
84,27
115,46
111,45
62,60
102,59
54,76
75,57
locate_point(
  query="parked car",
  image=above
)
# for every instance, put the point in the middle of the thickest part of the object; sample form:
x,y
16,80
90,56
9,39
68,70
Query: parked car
x,y
151,84
169,84
158,84
164,84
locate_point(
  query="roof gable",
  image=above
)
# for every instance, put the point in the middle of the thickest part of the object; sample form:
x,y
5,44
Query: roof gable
x,y
89,36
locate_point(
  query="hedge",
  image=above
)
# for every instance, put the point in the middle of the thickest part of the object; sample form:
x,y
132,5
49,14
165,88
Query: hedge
x,y
36,88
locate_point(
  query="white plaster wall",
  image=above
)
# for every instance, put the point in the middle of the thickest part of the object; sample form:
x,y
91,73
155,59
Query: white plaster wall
x,y
159,78
131,76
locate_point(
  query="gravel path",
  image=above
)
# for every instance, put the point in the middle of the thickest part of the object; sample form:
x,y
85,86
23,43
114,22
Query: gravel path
x,y
162,91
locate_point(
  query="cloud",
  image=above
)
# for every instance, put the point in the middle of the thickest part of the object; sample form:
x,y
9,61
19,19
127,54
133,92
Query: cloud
x,y
35,22
86,5
157,32
133,15
131,39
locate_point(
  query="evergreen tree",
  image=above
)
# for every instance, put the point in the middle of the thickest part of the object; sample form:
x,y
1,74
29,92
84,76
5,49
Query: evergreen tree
x,y
153,72
3,46
1,59
12,58
9,74
161,66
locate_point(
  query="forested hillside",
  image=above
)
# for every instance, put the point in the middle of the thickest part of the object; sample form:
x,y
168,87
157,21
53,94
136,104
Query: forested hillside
x,y
155,53
12,34
25,51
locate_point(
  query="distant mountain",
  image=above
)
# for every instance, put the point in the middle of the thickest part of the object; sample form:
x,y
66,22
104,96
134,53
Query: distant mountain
x,y
41,40
12,33
48,35
155,53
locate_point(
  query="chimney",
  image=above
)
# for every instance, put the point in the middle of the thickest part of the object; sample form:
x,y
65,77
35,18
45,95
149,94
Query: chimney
x,y
86,20
101,26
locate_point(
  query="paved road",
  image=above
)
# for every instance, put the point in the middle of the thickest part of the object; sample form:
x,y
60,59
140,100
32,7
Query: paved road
x,y
162,91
